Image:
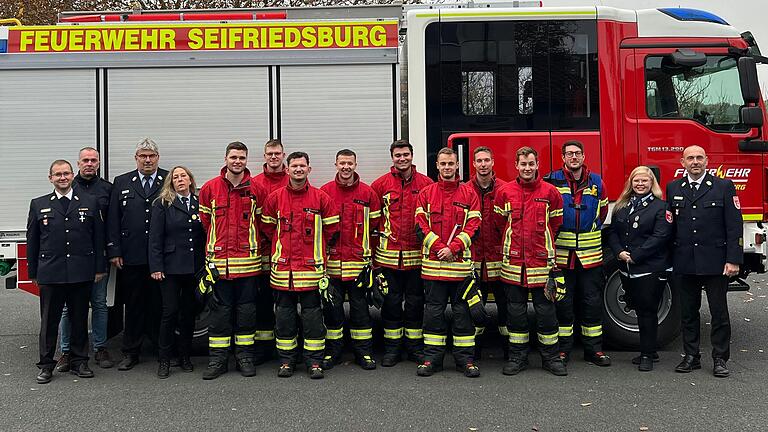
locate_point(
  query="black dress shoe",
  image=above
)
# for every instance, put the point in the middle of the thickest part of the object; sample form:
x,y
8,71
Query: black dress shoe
x,y
646,364
720,371
82,370
44,376
654,357
689,364
128,362
186,364
164,369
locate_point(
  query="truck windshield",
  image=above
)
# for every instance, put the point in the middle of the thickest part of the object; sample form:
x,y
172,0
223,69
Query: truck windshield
x,y
709,94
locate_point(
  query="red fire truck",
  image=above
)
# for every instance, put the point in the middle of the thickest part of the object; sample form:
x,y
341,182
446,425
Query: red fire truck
x,y
635,87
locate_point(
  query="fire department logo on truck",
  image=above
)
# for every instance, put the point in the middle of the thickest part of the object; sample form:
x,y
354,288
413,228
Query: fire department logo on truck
x,y
739,176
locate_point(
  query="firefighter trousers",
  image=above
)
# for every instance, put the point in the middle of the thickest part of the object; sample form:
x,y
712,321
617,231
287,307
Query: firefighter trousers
x,y
437,294
359,322
403,318
517,322
232,313
287,326
497,289
583,303
264,336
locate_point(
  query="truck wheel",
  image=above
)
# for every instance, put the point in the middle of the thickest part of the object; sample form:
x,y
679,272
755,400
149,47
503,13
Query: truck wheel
x,y
620,322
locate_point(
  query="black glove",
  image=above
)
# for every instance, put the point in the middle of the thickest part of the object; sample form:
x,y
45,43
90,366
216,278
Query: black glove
x,y
365,279
329,292
554,290
471,294
207,277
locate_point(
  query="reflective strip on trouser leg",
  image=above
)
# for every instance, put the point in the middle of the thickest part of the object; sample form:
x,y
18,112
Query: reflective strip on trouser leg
x,y
414,334
395,334
359,334
518,338
286,344
314,344
565,331
547,339
592,331
219,342
335,334
462,341
264,335
479,331
503,330
434,339
244,339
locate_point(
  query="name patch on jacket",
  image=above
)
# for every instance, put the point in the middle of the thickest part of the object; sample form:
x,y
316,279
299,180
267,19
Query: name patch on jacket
x,y
544,200
311,210
361,202
462,205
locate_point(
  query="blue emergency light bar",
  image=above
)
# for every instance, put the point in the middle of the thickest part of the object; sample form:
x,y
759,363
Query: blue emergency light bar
x,y
683,14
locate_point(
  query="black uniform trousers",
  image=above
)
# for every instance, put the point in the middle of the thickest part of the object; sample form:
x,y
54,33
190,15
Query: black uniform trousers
x,y
360,328
436,296
264,337
287,326
398,318
644,295
583,303
141,296
716,287
179,307
517,322
497,289
53,297
232,310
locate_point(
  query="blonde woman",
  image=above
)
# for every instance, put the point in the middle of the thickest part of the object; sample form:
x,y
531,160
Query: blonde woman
x,y
639,234
176,242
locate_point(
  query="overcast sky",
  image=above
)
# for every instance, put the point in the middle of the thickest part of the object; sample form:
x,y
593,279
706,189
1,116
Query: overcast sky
x,y
744,15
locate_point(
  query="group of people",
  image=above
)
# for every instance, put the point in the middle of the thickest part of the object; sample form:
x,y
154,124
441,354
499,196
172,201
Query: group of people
x,y
267,251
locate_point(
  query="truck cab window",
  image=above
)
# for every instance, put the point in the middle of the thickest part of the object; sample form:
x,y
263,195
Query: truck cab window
x,y
708,94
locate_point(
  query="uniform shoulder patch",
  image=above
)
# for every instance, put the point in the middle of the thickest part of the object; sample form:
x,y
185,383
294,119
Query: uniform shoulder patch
x,y
668,216
736,203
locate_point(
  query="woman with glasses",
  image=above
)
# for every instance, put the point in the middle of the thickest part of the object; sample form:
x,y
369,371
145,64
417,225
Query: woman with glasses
x,y
640,230
176,241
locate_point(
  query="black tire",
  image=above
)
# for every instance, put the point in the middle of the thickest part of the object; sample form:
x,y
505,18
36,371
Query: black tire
x,y
620,322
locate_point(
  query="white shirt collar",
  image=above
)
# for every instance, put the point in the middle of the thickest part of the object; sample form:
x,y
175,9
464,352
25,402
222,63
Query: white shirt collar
x,y
153,176
699,181
68,195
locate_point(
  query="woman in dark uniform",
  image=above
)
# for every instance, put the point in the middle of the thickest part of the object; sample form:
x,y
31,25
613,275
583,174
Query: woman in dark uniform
x,y
640,230
176,252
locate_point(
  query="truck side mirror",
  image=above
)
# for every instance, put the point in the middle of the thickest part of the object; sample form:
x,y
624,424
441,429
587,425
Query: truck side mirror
x,y
751,116
750,88
688,58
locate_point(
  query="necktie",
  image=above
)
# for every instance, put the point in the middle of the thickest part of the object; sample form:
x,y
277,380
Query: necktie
x,y
64,201
147,185
185,201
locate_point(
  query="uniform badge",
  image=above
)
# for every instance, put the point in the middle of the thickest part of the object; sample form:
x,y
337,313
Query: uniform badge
x,y
45,210
45,221
637,218
635,225
124,203
709,183
194,217
736,203
668,216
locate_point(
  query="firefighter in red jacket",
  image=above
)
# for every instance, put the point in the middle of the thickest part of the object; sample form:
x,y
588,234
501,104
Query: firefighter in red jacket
x,y
272,178
359,212
486,246
230,206
447,217
580,253
399,255
530,212
300,219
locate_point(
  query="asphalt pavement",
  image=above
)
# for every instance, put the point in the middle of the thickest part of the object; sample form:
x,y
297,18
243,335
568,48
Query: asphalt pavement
x,y
590,398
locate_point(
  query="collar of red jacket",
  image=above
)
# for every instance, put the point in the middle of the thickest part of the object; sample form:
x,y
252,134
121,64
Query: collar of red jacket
x,y
491,186
449,185
299,190
355,181
246,177
274,175
395,172
569,174
529,185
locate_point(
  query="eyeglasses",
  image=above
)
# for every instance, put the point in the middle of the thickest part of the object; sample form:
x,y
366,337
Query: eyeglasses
x,y
61,174
574,154
146,156
273,154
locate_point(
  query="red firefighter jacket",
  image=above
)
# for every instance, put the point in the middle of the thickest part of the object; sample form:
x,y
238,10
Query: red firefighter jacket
x,y
359,212
230,215
447,215
299,222
398,247
269,181
528,218
486,246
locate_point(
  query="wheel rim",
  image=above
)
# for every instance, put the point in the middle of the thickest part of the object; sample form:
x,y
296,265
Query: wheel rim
x,y
616,306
